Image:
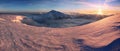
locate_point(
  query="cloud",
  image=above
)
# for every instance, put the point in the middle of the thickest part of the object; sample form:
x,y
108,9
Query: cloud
x,y
109,0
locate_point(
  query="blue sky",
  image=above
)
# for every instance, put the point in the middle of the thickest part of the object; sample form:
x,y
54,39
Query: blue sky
x,y
46,5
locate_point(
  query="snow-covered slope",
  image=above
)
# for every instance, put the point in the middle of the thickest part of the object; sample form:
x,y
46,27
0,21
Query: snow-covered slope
x,y
100,30
21,37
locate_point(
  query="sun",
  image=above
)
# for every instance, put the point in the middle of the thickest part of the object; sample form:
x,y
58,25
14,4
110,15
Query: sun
x,y
100,12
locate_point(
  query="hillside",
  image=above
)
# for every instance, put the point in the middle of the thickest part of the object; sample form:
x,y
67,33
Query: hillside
x,y
16,36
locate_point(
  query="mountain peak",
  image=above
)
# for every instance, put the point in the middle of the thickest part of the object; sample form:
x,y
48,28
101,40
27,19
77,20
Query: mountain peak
x,y
54,11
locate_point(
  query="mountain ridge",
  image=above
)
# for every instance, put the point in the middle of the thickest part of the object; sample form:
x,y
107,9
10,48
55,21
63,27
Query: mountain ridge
x,y
22,37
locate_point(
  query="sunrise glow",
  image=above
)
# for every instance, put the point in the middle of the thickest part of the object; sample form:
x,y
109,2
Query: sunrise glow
x,y
100,12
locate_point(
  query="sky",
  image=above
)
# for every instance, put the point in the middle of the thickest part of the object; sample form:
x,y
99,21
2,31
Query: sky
x,y
62,5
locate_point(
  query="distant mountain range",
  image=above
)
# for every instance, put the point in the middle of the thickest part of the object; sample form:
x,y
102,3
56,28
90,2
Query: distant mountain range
x,y
51,15
56,15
